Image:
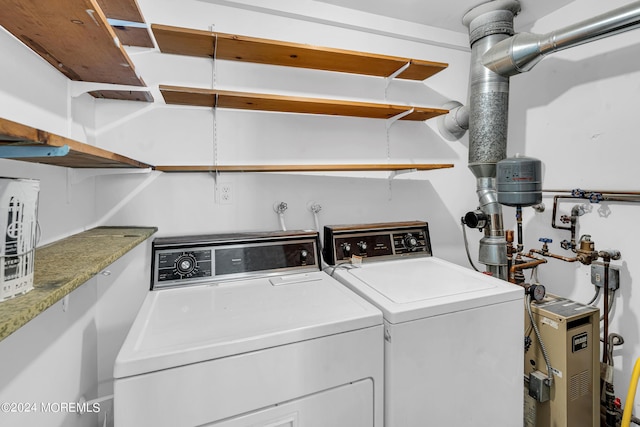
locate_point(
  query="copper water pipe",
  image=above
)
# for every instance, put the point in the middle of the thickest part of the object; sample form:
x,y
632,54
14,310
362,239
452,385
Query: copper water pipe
x,y
563,258
523,266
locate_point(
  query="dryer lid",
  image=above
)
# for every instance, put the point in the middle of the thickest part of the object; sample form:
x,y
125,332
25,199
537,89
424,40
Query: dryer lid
x,y
181,326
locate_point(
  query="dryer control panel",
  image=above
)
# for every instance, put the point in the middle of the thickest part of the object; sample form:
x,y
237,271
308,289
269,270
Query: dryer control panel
x,y
376,241
191,260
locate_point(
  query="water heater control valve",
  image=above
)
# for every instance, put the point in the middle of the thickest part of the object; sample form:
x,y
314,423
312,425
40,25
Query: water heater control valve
x,y
545,241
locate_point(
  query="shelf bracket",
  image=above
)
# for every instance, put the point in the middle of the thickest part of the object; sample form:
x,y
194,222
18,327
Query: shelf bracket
x,y
123,23
398,71
77,88
395,173
392,76
392,120
74,176
27,151
392,175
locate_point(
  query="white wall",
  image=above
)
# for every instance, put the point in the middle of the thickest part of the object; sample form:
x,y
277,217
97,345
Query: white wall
x,y
577,112
180,135
53,359
66,356
574,111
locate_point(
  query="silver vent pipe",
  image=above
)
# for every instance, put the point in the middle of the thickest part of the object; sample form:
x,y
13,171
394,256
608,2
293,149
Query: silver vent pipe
x,y
523,51
496,54
489,24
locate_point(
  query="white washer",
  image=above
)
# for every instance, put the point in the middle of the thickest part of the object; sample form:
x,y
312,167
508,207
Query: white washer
x,y
453,337
245,330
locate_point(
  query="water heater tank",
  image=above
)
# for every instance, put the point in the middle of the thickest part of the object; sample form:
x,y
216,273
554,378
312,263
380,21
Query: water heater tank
x,y
519,181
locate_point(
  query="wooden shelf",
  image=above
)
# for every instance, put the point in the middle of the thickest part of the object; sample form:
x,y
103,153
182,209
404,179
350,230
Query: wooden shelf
x,y
80,155
74,37
290,104
306,168
231,47
127,10
184,41
63,266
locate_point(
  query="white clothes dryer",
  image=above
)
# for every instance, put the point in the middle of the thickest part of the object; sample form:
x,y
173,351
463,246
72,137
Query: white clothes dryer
x,y
454,338
244,330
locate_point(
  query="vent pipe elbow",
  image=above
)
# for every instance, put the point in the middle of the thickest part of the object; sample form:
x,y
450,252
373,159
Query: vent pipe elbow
x,y
455,123
514,55
523,51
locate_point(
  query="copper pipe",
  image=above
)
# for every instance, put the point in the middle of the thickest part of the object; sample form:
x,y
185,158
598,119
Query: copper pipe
x,y
563,258
605,352
523,266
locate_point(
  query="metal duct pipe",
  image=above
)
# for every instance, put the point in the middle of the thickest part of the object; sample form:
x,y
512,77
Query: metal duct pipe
x,y
489,24
455,123
523,51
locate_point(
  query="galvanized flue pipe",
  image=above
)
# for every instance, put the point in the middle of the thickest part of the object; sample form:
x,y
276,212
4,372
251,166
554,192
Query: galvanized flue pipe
x,y
496,54
523,51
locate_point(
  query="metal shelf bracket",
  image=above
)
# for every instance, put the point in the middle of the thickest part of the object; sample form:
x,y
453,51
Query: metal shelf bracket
x,y
393,174
77,88
391,120
27,151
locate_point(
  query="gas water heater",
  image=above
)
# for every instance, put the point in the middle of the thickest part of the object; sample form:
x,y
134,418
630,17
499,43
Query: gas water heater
x,y
571,337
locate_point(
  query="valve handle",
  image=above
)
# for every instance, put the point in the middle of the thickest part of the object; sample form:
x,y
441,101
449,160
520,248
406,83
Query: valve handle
x,y
595,197
565,244
577,192
545,240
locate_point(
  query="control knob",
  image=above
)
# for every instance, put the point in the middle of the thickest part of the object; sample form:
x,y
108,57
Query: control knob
x,y
346,249
303,256
363,246
410,242
186,264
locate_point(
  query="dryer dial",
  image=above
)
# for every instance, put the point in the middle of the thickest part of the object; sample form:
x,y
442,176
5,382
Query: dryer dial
x,y
410,242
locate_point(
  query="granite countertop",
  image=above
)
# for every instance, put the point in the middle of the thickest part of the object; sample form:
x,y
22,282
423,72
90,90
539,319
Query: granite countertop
x,y
63,266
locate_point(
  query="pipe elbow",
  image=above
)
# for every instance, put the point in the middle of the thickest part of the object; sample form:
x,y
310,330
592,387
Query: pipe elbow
x,y
609,254
454,125
515,55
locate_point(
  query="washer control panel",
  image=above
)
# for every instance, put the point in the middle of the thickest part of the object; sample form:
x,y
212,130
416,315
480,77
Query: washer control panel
x,y
191,260
376,241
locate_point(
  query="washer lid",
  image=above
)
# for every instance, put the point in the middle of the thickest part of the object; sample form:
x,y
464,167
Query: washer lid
x,y
411,289
180,326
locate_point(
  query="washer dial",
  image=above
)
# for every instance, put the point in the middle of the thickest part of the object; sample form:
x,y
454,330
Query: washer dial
x,y
186,265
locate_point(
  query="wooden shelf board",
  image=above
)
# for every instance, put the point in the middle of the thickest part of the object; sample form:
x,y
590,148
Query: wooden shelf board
x,y
133,36
80,155
73,36
125,10
185,41
305,168
290,104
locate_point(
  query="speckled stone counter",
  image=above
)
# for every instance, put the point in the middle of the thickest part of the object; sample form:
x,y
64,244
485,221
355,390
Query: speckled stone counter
x,y
62,266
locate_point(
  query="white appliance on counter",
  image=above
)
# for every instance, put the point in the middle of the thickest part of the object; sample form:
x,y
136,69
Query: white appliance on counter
x,y
245,330
453,337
